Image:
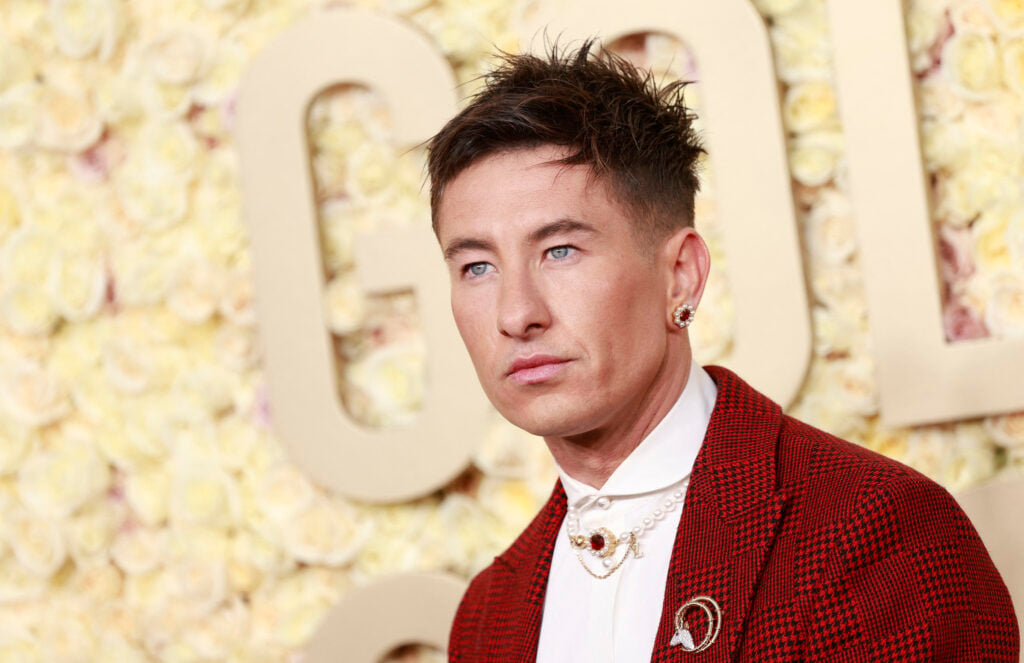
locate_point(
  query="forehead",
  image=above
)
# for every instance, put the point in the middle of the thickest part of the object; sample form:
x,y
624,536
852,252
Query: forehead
x,y
518,189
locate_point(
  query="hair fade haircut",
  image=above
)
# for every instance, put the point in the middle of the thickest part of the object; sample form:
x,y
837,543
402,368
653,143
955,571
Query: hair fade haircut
x,y
636,135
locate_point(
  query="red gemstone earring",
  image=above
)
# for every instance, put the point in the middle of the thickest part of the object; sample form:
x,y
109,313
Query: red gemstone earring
x,y
683,315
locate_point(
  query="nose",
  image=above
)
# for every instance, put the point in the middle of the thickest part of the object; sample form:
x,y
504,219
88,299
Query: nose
x,y
522,308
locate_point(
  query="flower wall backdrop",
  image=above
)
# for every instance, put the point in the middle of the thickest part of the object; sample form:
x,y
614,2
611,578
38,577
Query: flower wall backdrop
x,y
147,510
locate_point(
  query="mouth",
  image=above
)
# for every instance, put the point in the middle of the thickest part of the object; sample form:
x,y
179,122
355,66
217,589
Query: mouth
x,y
536,368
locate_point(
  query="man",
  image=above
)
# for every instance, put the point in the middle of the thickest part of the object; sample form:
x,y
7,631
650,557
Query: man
x,y
692,518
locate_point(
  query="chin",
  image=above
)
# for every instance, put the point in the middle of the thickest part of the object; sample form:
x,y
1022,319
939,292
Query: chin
x,y
547,417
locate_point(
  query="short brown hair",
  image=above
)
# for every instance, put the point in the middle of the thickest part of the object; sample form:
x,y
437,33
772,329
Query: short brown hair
x,y
610,115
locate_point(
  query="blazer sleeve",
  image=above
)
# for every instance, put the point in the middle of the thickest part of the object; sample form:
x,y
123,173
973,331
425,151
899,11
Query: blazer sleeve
x,y
910,580
464,639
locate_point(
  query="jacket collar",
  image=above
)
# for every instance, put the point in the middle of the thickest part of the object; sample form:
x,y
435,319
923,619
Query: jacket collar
x,y
729,520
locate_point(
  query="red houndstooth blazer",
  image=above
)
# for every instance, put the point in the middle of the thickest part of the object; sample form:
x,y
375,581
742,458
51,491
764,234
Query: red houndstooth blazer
x,y
815,548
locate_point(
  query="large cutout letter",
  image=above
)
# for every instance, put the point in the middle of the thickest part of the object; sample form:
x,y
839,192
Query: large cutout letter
x,y
747,149
388,465
921,378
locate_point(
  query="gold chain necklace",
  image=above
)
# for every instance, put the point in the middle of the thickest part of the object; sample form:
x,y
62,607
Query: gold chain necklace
x,y
602,542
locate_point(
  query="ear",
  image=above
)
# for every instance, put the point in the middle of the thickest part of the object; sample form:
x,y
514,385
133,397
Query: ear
x,y
687,263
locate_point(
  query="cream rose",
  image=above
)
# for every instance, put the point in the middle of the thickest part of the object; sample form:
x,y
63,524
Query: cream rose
x,y
54,483
973,459
16,66
28,310
17,583
287,612
814,157
199,583
27,254
800,40
153,198
236,303
393,380
91,531
77,285
830,229
32,394
344,304
83,27
1007,430
328,532
37,543
971,17
141,272
17,439
178,55
195,289
1013,65
96,581
810,106
19,117
370,171
1005,312
221,77
972,64
147,491
67,120
1008,15
930,449
283,492
203,495
990,240
337,233
511,453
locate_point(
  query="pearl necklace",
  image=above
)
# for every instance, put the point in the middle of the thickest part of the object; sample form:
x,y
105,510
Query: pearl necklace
x,y
602,542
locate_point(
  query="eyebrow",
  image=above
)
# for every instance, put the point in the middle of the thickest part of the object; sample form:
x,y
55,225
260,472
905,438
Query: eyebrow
x,y
559,227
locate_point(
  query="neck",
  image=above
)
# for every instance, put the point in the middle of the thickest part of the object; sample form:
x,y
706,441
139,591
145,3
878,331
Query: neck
x,y
593,456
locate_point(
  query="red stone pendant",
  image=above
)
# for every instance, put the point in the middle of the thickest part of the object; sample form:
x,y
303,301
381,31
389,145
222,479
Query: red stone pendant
x,y
596,542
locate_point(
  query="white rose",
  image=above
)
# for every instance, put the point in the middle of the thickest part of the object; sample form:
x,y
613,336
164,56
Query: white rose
x,y
830,229
195,289
237,347
128,365
215,637
96,581
990,234
370,171
283,492
54,483
834,334
513,502
1008,15
168,148
37,543
327,532
825,412
17,439
203,495
810,106
942,142
1013,65
393,379
289,611
19,645
17,583
10,213
27,309
814,157
27,254
19,118
199,583
147,493
937,100
149,196
178,55
344,304
236,302
16,66
971,17
1007,430
220,79
82,27
33,395
711,334
203,393
91,531
67,120
141,273
801,46
250,558
512,453
1004,315
77,285
995,125
929,449
67,635
337,232
973,459
971,62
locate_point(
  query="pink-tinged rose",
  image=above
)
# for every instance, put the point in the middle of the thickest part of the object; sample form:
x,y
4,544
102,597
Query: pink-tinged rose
x,y
95,164
962,323
956,255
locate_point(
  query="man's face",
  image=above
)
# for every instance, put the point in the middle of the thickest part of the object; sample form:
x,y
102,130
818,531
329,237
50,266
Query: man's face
x,y
564,317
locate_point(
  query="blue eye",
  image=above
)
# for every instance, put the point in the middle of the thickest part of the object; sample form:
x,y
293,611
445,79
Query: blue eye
x,y
477,268
560,252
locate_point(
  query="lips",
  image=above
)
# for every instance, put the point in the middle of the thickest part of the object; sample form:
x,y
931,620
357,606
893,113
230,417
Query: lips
x,y
536,368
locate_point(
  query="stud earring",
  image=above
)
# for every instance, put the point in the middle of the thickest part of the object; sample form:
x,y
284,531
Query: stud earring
x,y
683,315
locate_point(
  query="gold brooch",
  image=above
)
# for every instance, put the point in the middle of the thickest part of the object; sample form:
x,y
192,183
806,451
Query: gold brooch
x,y
684,638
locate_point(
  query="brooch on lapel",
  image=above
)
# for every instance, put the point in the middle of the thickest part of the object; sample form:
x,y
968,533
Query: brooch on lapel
x,y
684,637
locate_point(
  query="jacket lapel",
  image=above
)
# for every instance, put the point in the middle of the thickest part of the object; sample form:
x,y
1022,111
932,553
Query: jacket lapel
x,y
528,563
729,520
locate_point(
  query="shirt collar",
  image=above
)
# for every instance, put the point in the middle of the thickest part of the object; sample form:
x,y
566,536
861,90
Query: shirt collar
x,y
667,454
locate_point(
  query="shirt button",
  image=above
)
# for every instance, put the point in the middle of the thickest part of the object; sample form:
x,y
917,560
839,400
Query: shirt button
x,y
604,502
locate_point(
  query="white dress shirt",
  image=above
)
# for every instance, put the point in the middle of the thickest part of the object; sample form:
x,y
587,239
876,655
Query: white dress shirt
x,y
590,620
